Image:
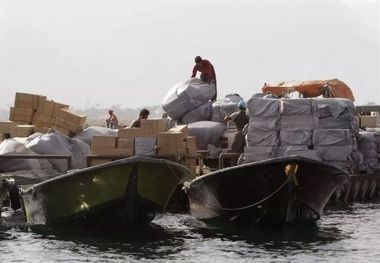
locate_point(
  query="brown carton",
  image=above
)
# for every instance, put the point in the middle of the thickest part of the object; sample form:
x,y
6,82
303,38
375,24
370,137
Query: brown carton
x,y
180,128
369,121
21,130
65,114
26,100
191,145
131,133
5,125
169,143
153,126
125,143
94,162
105,141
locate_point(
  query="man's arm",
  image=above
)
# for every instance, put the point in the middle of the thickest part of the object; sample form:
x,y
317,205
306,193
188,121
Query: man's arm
x,y
195,69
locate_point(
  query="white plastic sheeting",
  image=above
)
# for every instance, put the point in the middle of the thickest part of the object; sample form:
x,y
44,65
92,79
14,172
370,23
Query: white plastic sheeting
x,y
87,134
228,105
200,113
185,96
206,132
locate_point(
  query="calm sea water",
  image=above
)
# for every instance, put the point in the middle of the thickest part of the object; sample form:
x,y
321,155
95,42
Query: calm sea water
x,y
344,234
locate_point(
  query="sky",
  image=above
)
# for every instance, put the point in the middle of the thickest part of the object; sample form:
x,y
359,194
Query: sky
x,y
130,53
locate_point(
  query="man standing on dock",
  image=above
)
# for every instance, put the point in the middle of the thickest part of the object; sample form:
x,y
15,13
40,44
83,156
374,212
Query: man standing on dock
x,y
207,72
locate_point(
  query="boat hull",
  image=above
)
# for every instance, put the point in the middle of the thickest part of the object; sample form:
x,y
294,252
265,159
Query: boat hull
x,y
116,195
266,191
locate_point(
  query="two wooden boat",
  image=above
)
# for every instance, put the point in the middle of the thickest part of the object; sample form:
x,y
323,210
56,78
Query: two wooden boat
x,y
275,191
117,195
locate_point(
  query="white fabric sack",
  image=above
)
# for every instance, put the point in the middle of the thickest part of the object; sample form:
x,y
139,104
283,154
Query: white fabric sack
x,y
259,153
200,113
185,96
11,146
298,122
332,137
87,134
263,107
206,132
300,137
145,146
271,123
262,138
335,153
228,105
298,107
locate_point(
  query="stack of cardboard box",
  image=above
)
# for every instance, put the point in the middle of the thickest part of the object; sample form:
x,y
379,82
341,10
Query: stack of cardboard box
x,y
68,122
370,121
34,113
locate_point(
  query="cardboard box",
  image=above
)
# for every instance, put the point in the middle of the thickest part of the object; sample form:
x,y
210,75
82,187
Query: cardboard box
x,y
153,126
125,143
65,114
74,128
42,120
27,100
21,130
180,128
191,145
369,121
5,125
107,141
131,133
21,114
169,143
41,129
124,151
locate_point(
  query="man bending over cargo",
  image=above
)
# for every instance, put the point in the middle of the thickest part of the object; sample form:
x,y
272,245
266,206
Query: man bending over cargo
x,y
241,119
112,121
144,113
207,72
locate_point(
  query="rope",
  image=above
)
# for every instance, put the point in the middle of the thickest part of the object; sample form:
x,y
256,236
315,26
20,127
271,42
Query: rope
x,y
251,205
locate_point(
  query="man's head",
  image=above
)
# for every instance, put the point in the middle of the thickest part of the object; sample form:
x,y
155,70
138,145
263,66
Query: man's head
x,y
144,113
110,112
242,105
198,60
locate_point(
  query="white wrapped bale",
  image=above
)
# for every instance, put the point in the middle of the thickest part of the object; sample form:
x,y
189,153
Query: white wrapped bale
x,y
301,150
259,153
145,146
206,132
87,134
332,137
335,153
228,105
259,123
200,113
298,122
263,107
262,138
185,96
300,137
298,107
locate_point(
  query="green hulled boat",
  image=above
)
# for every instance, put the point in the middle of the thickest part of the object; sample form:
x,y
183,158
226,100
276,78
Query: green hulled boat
x,y
117,195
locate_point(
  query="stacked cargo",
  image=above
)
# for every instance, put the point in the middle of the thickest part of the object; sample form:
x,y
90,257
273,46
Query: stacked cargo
x,y
263,129
68,122
369,147
298,119
34,113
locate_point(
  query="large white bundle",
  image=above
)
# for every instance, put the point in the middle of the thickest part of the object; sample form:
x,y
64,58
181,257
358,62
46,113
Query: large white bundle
x,y
259,123
336,107
145,146
298,107
298,122
262,138
206,132
368,146
221,108
263,107
300,150
300,137
258,153
57,143
332,137
87,134
333,123
185,96
335,153
11,146
200,113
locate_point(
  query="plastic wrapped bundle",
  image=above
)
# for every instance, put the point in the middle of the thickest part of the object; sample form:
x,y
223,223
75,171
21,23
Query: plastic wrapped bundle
x,y
87,134
332,137
221,108
262,138
200,113
298,107
263,107
299,150
258,153
300,137
185,96
206,132
367,145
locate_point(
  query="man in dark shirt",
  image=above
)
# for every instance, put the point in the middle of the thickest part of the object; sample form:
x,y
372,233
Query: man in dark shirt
x,y
241,119
144,113
207,72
